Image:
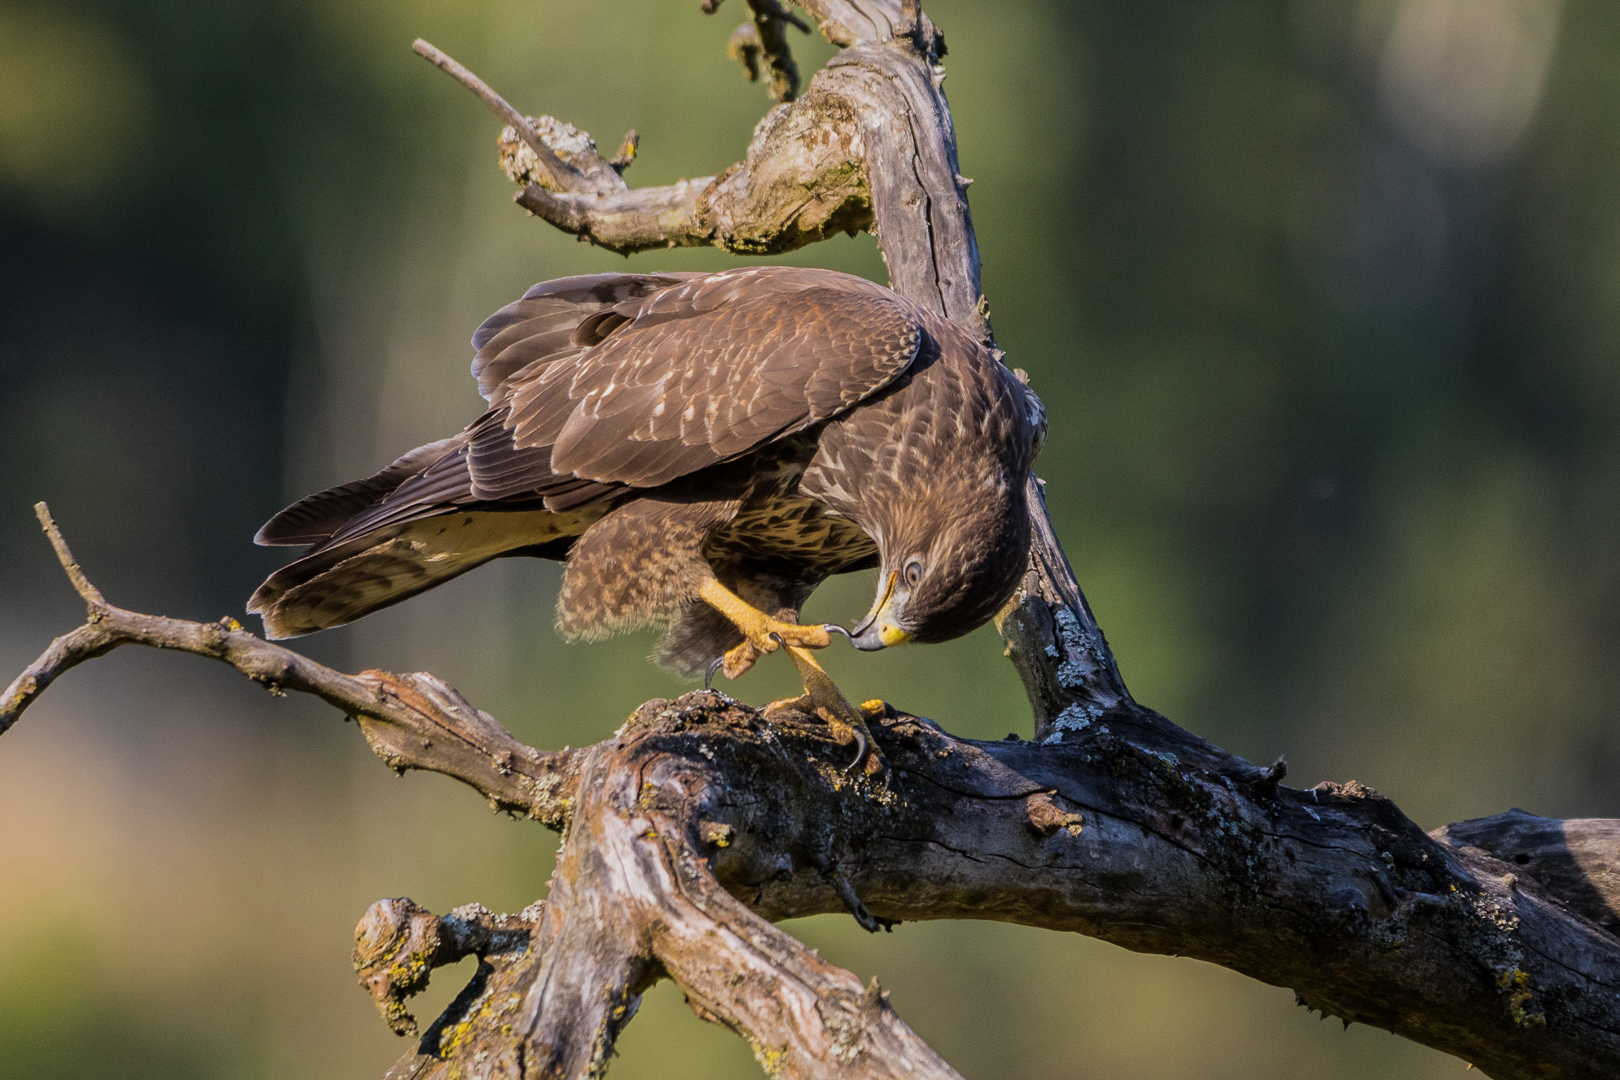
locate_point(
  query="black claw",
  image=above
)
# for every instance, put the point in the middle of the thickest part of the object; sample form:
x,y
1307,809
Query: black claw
x,y
863,750
708,676
834,628
777,638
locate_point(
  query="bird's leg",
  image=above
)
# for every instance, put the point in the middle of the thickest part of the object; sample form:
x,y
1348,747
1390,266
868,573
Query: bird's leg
x,y
764,634
825,700
761,633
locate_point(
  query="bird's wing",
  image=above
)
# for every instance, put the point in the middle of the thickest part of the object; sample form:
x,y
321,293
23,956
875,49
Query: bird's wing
x,y
540,326
315,517
524,335
693,375
606,381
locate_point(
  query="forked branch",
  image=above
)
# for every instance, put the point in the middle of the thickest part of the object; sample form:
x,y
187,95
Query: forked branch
x,y
1487,940
412,721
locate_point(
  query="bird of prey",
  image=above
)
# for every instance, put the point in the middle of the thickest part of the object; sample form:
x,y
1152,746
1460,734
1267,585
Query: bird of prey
x,y
702,450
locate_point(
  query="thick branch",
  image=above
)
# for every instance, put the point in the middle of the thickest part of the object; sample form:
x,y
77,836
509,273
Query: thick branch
x,y
801,182
398,944
1330,891
1577,860
633,898
1131,831
412,721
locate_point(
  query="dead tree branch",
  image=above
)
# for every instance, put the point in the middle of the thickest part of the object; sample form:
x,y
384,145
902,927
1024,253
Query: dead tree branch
x,y
701,820
412,721
1490,939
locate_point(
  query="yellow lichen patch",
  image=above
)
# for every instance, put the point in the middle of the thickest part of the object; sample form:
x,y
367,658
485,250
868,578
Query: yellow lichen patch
x,y
770,1059
1517,983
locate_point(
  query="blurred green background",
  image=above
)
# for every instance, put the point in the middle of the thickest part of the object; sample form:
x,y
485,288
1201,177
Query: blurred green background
x,y
1323,297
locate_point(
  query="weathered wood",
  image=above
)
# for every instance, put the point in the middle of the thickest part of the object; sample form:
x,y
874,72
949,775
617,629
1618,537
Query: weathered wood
x,y
1132,831
1577,860
1493,939
1127,828
411,721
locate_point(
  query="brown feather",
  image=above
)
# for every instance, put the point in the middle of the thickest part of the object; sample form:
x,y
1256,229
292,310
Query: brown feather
x,y
769,426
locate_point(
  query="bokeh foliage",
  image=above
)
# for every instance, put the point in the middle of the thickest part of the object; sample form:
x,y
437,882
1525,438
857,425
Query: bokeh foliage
x,y
1323,297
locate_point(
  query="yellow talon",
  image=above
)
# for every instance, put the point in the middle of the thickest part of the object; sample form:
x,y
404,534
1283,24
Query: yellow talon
x,y
760,629
763,634
832,706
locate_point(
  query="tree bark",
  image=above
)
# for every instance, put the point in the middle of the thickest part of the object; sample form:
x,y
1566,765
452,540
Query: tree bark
x,y
1494,940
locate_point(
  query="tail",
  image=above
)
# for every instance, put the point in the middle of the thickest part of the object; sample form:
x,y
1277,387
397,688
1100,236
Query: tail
x,y
386,538
339,584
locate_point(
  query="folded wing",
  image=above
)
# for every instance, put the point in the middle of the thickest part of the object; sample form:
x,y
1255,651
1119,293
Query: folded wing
x,y
598,386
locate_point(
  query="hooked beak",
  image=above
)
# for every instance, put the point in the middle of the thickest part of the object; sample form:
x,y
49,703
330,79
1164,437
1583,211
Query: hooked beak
x,y
879,630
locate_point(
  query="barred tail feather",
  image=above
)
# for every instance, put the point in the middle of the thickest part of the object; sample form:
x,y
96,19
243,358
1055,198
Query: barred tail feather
x,y
353,578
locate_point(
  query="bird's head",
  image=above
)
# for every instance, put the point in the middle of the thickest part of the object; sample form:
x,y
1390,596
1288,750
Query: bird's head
x,y
948,566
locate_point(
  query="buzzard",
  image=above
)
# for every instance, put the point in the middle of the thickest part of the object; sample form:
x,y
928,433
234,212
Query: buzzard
x,y
702,450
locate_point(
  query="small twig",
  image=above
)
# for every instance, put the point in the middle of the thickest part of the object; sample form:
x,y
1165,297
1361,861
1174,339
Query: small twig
x,y
743,46
81,584
867,921
520,123
775,9
770,19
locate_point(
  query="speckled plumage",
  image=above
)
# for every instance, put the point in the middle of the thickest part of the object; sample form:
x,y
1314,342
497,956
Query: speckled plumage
x,y
767,427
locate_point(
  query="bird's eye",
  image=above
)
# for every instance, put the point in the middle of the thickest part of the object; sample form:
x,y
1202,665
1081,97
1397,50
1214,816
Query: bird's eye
x,y
914,573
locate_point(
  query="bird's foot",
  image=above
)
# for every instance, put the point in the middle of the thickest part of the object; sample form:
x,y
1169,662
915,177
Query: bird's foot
x,y
762,633
823,698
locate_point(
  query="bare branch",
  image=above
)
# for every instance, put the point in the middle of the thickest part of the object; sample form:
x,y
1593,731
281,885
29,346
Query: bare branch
x,y
1577,860
633,898
67,651
639,220
1047,619
862,22
398,945
554,166
803,181
766,39
411,721
673,861
81,584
